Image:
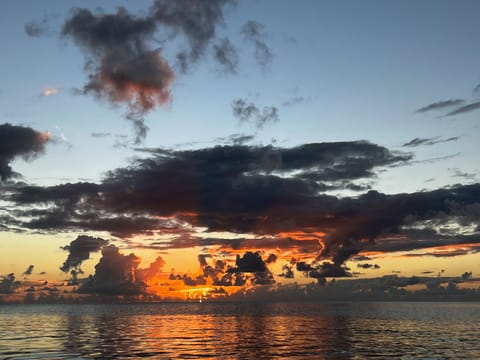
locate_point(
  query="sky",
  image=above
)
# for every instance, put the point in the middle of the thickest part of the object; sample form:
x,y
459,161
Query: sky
x,y
170,147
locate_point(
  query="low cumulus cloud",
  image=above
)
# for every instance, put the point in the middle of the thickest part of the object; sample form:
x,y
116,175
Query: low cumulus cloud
x,y
247,111
19,142
115,274
368,266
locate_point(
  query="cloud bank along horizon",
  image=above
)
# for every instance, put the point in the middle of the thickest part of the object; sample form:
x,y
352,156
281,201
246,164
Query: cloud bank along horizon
x,y
275,198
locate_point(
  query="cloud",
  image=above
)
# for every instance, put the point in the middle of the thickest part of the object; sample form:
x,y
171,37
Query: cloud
x,y
465,109
449,252
100,134
368,266
287,272
250,262
196,21
322,270
274,194
115,274
226,55
253,31
19,141
8,284
79,250
123,69
440,105
29,270
295,100
49,91
462,174
271,258
153,270
122,64
37,28
235,139
429,141
248,111
216,185
436,159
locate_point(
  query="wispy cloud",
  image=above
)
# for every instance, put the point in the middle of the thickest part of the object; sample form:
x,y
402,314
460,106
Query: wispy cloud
x,y
248,111
465,109
440,105
254,32
429,141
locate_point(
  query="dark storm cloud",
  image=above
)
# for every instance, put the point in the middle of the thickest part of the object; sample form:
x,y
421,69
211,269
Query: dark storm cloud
x,y
249,112
226,55
254,32
465,109
70,210
219,184
429,141
79,250
440,105
261,190
19,141
379,215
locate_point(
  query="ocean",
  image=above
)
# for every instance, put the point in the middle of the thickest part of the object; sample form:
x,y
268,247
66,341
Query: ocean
x,y
355,330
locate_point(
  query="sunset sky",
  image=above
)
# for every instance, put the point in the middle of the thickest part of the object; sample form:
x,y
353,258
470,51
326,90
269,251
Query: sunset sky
x,y
238,144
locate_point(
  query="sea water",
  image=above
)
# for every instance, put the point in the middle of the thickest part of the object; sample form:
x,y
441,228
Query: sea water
x,y
383,330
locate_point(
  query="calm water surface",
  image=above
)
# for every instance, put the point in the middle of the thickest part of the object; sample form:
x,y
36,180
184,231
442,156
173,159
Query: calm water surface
x,y
241,331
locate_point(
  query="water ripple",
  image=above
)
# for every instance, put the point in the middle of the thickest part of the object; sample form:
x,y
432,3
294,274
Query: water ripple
x,y
241,331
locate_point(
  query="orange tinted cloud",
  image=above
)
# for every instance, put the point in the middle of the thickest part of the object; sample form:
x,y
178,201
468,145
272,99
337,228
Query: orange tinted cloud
x,y
49,91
